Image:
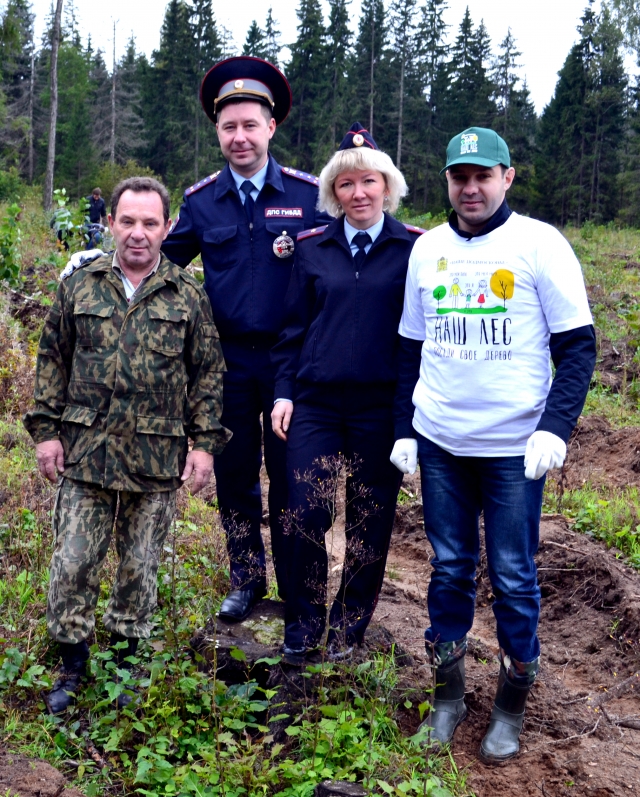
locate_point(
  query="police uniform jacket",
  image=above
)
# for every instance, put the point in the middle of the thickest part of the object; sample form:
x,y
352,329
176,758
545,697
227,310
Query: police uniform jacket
x,y
341,325
244,278
123,385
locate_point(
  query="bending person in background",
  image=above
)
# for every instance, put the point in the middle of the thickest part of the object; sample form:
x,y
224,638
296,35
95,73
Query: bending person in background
x,y
477,405
335,380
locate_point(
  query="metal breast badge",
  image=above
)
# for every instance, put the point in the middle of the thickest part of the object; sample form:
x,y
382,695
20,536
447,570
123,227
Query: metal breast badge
x,y
283,245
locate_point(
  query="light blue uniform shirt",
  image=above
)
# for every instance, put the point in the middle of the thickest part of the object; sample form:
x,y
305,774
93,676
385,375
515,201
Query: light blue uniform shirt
x,y
373,231
257,180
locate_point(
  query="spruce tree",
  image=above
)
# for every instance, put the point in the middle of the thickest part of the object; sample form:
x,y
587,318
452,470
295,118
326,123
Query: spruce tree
x,y
467,102
17,62
338,54
256,42
581,129
430,141
402,26
364,72
169,105
272,39
310,85
207,51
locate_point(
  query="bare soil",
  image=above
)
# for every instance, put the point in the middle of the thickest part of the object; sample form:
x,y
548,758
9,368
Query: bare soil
x,y
25,777
582,727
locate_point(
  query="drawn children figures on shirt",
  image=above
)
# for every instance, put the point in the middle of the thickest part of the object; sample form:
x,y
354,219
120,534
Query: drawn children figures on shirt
x,y
468,288
482,292
455,292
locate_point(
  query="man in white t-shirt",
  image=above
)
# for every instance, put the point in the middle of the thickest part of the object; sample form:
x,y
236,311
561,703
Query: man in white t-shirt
x,y
477,405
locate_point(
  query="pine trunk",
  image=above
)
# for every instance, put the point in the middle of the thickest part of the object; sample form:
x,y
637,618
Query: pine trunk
x,y
31,93
400,113
53,118
112,147
373,60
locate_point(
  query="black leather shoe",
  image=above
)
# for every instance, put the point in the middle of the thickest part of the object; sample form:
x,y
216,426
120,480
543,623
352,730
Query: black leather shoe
x,y
64,691
238,604
295,656
72,674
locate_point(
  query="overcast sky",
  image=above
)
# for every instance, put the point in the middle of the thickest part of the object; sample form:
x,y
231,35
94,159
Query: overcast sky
x,y
544,29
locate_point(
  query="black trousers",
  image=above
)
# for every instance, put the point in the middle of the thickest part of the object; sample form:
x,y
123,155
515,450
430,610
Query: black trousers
x,y
338,421
248,394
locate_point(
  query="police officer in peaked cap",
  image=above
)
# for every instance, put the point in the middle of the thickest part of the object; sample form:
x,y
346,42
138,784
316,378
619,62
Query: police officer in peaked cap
x,y
243,221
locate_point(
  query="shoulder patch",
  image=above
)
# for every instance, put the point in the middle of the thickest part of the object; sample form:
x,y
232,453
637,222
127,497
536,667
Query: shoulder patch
x,y
416,230
210,179
308,178
312,232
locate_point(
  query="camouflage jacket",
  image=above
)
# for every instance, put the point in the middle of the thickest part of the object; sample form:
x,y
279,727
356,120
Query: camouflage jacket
x,y
123,385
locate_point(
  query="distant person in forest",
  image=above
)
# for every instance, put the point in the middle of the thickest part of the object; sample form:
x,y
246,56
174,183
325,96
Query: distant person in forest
x,y
477,406
97,208
129,368
97,220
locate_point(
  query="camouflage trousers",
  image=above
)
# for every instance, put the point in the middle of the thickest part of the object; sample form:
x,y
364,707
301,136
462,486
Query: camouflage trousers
x,y
84,518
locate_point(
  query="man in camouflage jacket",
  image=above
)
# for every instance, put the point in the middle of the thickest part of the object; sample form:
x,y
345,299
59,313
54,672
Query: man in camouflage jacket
x,y
129,367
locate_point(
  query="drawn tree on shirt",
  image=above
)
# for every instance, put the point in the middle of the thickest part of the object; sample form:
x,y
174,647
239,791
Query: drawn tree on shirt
x,y
502,284
439,293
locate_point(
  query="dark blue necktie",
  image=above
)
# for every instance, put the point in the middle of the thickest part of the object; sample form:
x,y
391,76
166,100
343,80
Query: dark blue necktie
x,y
247,187
360,239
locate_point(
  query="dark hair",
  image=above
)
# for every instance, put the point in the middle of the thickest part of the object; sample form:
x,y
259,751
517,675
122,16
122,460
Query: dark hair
x,y
96,191
138,185
266,109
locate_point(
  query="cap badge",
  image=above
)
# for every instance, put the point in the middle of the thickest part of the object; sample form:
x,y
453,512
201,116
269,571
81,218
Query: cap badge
x,y
358,140
468,143
239,84
283,245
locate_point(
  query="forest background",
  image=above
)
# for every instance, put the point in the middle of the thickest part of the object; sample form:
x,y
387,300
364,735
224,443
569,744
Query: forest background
x,y
404,74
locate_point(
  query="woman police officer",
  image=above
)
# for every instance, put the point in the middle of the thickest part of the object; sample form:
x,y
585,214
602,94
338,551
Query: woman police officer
x,y
335,364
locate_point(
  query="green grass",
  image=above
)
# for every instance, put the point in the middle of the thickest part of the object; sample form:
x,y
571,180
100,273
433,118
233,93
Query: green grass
x,y
607,514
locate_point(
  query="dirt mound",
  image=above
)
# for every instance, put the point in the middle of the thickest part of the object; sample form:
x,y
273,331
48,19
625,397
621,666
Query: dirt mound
x,y
599,454
582,729
616,365
24,777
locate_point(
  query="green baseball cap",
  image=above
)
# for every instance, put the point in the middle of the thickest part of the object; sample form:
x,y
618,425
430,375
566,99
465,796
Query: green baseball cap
x,y
477,145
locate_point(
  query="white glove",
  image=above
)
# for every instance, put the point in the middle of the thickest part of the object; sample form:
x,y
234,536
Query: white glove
x,y
80,259
405,455
544,451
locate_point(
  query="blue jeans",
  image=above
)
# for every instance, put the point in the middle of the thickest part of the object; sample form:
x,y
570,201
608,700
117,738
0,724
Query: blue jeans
x,y
454,491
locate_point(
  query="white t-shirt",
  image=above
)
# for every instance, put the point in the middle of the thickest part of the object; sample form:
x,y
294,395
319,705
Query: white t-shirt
x,y
485,309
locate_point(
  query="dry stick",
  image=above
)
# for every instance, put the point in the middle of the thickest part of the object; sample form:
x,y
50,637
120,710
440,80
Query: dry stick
x,y
567,738
566,547
595,701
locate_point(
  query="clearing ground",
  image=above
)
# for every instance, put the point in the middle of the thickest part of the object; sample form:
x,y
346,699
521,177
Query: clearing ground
x,y
582,728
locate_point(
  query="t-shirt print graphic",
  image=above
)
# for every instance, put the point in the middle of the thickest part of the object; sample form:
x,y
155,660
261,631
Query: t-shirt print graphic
x,y
477,299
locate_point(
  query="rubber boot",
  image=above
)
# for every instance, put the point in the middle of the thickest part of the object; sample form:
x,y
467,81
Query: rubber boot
x,y
502,740
71,675
448,708
119,657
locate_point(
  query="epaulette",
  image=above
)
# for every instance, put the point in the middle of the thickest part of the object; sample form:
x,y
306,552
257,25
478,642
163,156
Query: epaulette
x,y
310,233
308,178
416,230
202,184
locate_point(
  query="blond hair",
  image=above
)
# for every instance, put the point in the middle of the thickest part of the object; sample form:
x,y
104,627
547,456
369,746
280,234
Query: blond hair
x,y
362,159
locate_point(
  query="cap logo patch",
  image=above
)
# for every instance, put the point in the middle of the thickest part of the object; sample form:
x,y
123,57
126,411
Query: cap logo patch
x,y
468,143
358,140
239,84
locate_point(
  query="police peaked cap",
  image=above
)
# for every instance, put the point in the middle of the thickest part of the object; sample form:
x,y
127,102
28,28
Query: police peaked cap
x,y
357,137
246,78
